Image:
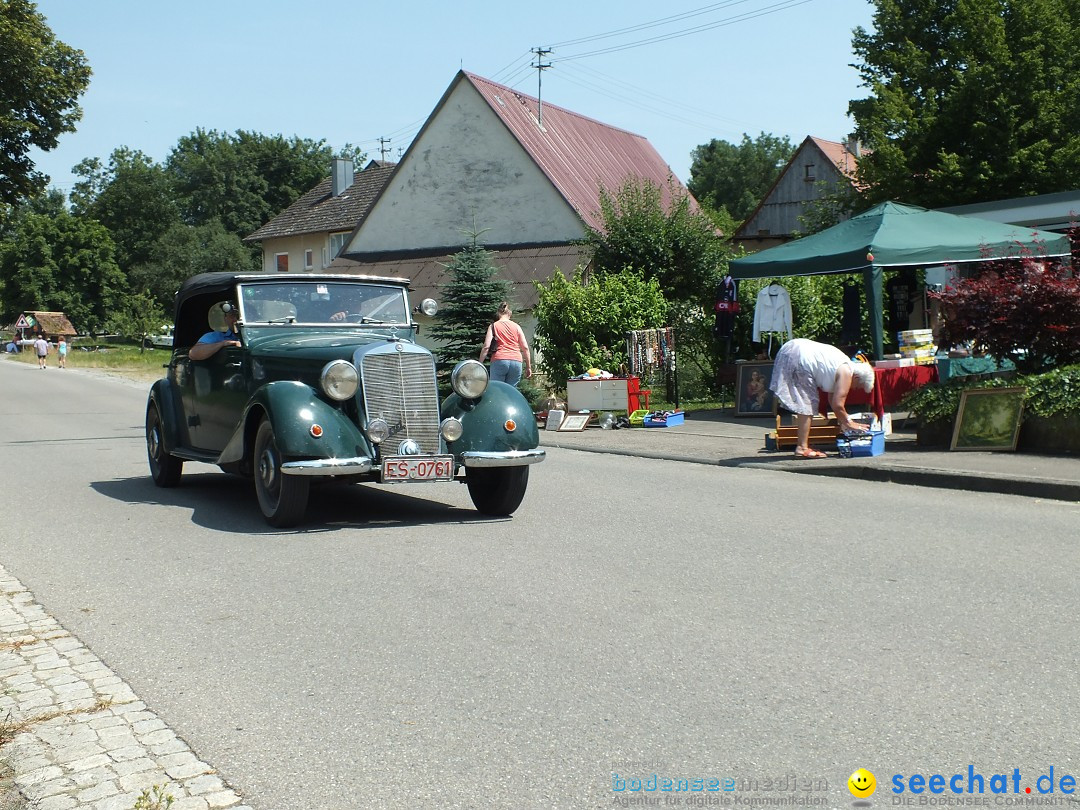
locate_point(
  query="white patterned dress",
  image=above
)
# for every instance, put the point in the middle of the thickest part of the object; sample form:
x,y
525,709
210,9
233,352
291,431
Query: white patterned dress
x,y
802,368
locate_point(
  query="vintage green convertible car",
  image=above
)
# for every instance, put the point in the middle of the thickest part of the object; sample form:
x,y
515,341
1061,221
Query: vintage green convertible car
x,y
325,379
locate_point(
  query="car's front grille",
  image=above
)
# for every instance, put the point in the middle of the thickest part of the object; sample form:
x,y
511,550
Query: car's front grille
x,y
399,386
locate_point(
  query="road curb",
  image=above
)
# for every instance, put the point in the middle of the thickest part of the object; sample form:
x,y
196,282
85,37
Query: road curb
x,y
1050,489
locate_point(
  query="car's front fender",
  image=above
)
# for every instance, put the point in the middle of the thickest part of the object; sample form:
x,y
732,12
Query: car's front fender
x,y
166,398
293,408
484,421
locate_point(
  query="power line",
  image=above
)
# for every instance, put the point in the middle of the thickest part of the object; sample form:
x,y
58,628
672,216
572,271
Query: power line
x,y
653,24
776,7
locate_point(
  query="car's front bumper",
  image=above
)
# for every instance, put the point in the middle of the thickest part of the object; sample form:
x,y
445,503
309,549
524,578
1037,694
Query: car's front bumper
x,y
328,466
362,464
506,458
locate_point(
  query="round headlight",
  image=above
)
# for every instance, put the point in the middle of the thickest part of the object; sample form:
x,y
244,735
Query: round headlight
x,y
378,430
339,380
469,379
451,429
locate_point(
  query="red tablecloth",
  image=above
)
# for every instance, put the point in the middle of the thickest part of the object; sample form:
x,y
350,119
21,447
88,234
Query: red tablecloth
x,y
890,386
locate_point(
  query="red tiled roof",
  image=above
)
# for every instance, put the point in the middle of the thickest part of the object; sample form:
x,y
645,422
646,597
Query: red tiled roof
x,y
838,154
578,154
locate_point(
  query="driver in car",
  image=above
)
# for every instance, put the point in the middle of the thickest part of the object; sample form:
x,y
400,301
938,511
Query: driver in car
x,y
210,343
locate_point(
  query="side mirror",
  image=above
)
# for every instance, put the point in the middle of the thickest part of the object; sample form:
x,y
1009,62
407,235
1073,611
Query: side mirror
x,y
429,306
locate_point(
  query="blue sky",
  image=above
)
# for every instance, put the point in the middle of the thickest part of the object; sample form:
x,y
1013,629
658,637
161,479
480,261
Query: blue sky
x,y
349,72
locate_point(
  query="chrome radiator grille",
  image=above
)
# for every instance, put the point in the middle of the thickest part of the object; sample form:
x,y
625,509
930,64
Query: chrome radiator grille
x,y
399,386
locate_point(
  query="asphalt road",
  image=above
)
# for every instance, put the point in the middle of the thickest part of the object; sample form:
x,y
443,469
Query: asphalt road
x,y
635,617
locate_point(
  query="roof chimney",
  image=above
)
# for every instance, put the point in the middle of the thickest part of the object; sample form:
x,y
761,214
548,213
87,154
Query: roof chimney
x,y
341,176
854,146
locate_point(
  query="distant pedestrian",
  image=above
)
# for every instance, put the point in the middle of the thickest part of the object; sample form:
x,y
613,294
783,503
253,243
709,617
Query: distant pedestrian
x,y
61,352
41,346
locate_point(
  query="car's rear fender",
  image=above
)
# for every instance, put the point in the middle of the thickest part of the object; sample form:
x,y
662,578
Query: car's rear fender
x,y
293,408
166,398
484,421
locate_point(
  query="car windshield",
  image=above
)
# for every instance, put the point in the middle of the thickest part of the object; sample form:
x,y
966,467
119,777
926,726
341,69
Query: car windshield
x,y
323,302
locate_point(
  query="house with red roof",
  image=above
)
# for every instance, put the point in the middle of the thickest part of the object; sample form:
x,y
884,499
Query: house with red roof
x,y
817,168
309,234
490,160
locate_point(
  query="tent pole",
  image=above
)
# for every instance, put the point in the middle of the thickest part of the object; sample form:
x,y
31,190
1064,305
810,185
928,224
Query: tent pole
x,y
872,283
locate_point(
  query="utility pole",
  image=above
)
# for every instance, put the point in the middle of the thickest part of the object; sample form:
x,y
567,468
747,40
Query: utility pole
x,y
384,147
540,66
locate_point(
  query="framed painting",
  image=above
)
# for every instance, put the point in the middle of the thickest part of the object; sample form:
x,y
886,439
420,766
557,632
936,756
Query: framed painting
x,y
752,394
988,419
575,421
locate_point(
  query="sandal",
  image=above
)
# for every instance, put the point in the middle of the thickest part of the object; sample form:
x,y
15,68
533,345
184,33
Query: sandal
x,y
810,453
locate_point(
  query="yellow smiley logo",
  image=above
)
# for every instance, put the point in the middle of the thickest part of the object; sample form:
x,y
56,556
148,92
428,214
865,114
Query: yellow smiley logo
x,y
862,783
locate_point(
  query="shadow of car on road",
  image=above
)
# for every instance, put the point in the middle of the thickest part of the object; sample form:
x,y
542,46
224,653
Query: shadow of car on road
x,y
227,503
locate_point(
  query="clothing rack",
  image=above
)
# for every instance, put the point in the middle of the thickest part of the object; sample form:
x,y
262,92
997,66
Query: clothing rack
x,y
652,356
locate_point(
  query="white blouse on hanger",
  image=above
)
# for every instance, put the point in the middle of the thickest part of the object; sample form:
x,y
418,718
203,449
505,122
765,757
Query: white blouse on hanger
x,y
772,313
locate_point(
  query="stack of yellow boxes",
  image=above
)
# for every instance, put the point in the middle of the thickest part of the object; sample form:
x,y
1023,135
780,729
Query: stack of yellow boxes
x,y
918,344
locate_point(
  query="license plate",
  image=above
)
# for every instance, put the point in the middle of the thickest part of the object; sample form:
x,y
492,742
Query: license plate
x,y
418,468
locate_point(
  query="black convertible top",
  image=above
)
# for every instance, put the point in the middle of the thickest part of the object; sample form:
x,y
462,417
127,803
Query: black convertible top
x,y
198,293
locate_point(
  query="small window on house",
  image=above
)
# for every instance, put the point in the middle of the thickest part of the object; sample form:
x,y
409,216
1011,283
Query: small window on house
x,y
337,243
282,261
809,176
308,258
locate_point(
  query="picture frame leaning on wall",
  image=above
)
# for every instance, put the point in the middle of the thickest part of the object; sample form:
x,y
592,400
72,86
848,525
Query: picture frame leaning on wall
x,y
752,394
988,419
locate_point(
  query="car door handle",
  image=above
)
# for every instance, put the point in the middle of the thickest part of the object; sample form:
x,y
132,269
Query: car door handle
x,y
233,365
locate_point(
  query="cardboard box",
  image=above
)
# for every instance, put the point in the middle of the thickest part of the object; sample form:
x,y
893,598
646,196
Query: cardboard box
x,y
901,363
872,445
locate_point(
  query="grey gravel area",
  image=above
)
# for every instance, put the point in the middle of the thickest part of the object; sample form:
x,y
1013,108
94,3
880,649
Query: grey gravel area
x,y
74,734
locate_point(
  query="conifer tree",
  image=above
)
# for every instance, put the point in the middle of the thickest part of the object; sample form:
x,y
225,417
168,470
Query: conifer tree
x,y
469,303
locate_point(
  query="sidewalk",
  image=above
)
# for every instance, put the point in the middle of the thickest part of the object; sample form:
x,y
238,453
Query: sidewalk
x,y
716,437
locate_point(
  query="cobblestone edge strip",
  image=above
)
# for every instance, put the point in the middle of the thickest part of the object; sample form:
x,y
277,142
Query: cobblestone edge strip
x,y
82,740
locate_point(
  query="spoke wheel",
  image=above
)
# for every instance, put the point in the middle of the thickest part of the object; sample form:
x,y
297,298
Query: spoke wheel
x,y
497,491
282,498
164,468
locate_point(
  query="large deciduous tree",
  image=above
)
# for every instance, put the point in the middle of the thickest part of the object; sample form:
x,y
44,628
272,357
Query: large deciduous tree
x,y
735,178
675,243
61,263
41,80
969,100
244,179
132,197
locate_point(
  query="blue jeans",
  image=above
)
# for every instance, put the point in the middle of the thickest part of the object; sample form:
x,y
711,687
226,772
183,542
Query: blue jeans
x,y
507,371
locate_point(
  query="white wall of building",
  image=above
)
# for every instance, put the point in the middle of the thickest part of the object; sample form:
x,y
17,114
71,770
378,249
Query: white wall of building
x,y
296,246
466,172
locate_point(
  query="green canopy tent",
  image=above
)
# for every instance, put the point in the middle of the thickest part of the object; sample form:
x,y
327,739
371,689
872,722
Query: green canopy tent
x,y
895,235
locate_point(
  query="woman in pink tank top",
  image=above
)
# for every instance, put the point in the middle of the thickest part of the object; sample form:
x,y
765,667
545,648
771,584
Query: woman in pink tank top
x,y
512,351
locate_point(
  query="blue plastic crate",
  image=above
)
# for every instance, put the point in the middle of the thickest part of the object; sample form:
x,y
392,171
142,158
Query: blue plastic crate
x,y
665,420
872,445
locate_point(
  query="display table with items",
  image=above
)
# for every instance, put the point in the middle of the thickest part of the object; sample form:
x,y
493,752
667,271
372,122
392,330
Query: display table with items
x,y
890,386
606,394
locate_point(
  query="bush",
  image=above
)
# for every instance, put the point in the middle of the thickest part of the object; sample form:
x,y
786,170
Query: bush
x,y
1024,310
583,324
1048,394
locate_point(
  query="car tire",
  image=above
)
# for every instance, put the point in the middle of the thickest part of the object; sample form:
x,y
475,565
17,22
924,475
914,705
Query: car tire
x,y
497,491
165,469
282,498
